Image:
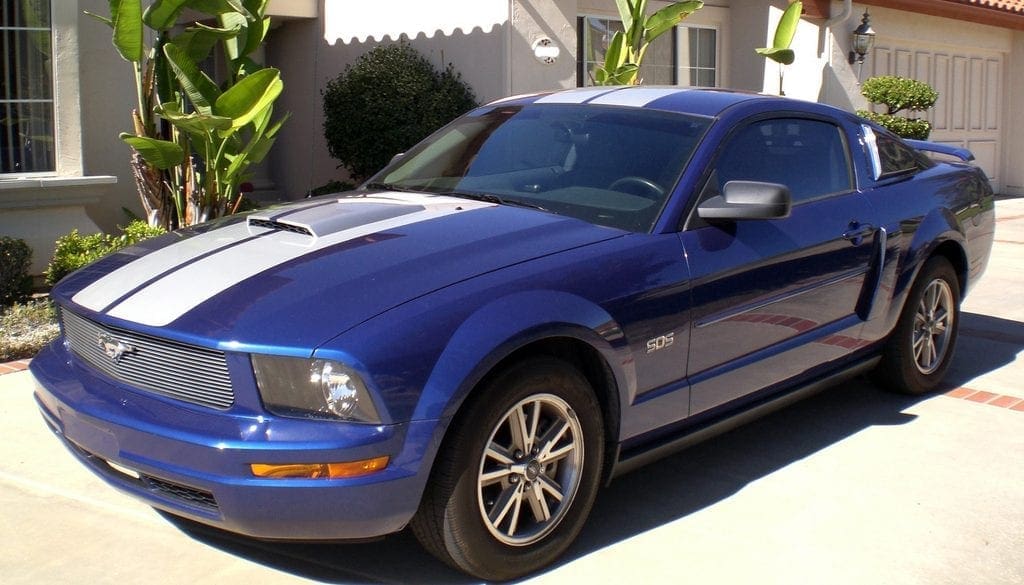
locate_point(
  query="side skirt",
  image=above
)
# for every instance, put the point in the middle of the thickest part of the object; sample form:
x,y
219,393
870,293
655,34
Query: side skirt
x,y
641,456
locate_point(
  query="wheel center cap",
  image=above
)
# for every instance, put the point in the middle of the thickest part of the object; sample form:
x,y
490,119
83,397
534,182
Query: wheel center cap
x,y
532,470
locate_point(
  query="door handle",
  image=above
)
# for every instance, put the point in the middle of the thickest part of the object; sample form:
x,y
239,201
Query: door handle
x,y
857,231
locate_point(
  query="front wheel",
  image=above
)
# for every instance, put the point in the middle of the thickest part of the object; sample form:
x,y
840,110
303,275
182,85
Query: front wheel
x,y
517,475
921,347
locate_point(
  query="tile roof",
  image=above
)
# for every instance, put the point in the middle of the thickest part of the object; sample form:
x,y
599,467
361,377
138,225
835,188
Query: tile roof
x,y
1012,6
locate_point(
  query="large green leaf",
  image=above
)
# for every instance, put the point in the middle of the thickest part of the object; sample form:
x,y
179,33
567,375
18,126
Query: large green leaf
x,y
625,13
247,98
127,18
663,20
200,39
787,26
784,56
163,14
218,7
626,74
194,123
235,46
159,153
616,53
255,33
199,88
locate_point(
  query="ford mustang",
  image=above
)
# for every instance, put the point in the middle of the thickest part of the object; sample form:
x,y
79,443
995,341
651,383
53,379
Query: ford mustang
x,y
548,292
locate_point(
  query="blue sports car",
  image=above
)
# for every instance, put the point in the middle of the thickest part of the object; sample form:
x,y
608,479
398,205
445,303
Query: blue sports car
x,y
549,291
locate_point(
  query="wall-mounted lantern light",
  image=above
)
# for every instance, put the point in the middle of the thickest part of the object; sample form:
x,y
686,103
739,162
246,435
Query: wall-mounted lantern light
x,y
863,40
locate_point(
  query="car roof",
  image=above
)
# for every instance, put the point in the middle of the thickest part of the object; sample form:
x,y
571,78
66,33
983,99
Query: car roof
x,y
700,101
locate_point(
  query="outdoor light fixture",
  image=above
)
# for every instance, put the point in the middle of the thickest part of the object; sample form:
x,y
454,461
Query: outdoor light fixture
x,y
863,40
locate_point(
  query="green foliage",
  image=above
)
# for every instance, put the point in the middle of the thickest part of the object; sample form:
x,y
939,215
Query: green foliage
x,y
332,186
915,128
627,48
389,100
15,282
189,169
25,328
74,250
899,93
784,33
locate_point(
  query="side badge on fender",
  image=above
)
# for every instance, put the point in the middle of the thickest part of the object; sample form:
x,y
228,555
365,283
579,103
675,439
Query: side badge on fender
x,y
660,342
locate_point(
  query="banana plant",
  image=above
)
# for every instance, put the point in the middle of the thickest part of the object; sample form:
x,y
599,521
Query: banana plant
x,y
195,140
627,48
784,33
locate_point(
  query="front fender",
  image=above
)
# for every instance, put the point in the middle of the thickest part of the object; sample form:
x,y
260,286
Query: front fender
x,y
502,326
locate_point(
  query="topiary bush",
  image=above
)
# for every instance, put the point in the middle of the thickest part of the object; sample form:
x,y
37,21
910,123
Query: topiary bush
x,y
74,250
389,100
898,94
15,282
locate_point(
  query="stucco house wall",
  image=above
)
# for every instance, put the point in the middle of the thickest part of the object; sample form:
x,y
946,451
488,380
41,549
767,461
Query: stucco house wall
x,y
492,42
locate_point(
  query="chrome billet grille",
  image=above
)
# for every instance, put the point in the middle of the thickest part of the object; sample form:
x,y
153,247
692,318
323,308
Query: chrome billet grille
x,y
189,373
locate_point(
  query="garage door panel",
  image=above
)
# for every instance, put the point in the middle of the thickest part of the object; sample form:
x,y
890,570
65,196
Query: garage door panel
x,y
959,93
970,86
940,113
993,102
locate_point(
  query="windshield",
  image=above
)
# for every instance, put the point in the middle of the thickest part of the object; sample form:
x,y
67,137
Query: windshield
x,y
606,165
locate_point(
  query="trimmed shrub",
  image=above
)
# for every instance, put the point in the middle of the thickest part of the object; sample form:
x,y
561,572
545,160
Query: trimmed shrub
x,y
15,282
75,250
915,128
389,100
898,94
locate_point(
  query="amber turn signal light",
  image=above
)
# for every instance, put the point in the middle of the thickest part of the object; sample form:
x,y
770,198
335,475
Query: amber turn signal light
x,y
320,470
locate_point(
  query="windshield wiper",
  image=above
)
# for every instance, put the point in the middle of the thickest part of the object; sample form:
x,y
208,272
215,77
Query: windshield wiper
x,y
394,187
492,198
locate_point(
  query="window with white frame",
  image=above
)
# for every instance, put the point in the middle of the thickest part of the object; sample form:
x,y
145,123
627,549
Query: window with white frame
x,y
687,55
698,56
26,87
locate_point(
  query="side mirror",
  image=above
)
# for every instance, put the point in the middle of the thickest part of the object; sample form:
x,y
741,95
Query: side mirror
x,y
396,158
748,200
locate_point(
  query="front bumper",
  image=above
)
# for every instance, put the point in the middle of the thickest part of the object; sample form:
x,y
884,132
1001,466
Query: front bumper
x,y
195,462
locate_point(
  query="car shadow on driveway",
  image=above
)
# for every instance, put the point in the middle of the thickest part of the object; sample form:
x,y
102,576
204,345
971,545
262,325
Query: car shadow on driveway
x,y
668,490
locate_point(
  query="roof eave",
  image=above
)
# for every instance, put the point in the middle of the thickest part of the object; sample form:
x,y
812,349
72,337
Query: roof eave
x,y
978,13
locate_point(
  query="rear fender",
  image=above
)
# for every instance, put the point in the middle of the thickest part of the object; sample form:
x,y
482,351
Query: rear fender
x,y
939,228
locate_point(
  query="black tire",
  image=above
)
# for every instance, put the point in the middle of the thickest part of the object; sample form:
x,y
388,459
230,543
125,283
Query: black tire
x,y
921,347
460,519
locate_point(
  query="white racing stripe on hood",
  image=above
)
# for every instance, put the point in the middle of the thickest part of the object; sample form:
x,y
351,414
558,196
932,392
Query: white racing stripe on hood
x,y
101,293
185,288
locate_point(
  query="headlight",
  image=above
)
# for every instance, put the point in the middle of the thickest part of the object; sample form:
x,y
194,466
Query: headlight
x,y
313,388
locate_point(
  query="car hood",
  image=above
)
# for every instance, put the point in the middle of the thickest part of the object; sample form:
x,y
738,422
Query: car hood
x,y
298,275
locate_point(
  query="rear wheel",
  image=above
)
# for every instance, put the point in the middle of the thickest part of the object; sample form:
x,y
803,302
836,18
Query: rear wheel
x,y
517,475
921,347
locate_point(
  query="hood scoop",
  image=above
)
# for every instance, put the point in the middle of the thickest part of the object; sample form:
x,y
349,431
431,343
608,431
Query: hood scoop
x,y
324,219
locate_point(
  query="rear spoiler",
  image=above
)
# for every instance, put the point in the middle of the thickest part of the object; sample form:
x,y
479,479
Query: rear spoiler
x,y
960,153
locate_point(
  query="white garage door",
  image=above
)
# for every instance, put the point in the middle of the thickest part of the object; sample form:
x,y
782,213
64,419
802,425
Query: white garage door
x,y
970,86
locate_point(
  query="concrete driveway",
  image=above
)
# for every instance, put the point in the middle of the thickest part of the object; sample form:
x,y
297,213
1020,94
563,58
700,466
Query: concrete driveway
x,y
852,486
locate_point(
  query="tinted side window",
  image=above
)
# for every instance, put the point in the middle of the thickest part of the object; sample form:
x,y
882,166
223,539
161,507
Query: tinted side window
x,y
808,156
894,157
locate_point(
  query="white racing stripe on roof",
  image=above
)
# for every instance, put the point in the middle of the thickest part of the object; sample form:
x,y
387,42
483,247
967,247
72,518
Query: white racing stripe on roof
x,y
101,293
635,96
575,96
182,290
